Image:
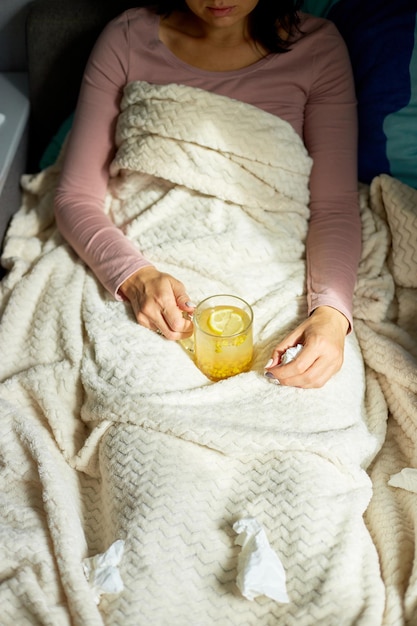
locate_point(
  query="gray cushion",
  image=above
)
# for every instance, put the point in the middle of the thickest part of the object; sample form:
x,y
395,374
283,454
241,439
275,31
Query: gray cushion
x,y
60,35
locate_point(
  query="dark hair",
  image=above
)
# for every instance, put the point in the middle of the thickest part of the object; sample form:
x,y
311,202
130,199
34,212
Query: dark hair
x,y
264,21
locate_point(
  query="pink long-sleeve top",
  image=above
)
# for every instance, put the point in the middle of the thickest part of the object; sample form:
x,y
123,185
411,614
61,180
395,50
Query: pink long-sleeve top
x,y
311,87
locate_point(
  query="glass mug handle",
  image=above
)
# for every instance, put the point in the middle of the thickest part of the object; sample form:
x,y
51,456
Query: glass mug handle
x,y
188,344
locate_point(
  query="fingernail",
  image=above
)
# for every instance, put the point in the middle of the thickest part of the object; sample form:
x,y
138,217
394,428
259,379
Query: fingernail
x,y
271,378
190,305
270,362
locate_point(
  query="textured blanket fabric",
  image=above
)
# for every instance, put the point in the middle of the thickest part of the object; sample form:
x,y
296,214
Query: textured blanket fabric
x,y
109,432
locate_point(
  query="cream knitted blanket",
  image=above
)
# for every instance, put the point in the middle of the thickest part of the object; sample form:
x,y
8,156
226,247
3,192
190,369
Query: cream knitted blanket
x,y
110,432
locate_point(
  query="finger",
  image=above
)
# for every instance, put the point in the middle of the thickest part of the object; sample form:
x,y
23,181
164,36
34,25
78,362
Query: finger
x,y
164,331
290,341
155,324
172,324
292,371
284,356
184,303
173,318
313,377
172,309
161,313
300,361
169,321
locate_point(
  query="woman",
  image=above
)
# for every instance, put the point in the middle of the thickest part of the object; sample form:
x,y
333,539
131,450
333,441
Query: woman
x,y
259,51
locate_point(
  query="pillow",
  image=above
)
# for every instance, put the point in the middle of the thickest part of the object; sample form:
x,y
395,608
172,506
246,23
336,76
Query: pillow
x,y
381,36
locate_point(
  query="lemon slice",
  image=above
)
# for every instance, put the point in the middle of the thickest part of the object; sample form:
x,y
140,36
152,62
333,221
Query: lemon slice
x,y
226,321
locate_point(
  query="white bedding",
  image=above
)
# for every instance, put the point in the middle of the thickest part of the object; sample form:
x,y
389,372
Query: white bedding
x,y
110,432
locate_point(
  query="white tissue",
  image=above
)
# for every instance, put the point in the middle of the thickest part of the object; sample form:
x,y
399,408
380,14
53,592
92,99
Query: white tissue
x,y
406,479
102,573
259,569
291,353
2,118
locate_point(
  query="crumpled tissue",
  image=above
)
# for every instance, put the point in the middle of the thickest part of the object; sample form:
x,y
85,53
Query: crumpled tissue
x,y
288,356
259,569
291,353
406,479
102,573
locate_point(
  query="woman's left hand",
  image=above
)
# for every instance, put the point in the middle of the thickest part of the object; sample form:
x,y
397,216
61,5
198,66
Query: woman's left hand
x,y
323,337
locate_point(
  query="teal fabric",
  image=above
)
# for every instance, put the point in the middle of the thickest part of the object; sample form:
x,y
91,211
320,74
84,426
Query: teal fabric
x,y
54,147
320,8
400,129
381,37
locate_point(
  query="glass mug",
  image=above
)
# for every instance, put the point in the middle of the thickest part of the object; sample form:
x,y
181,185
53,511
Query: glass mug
x,y
223,337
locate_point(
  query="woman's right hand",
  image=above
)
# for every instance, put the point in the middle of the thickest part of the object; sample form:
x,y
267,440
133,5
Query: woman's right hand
x,y
159,302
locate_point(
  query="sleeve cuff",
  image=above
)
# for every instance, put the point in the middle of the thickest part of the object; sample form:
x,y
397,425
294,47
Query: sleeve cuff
x,y
316,300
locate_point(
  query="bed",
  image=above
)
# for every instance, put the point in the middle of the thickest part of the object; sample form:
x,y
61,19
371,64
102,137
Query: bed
x,y
135,491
